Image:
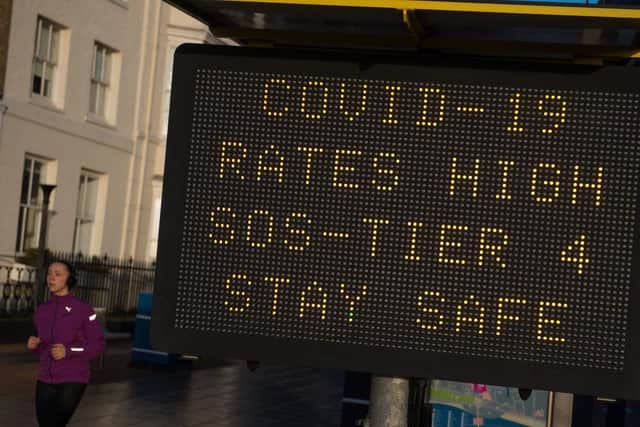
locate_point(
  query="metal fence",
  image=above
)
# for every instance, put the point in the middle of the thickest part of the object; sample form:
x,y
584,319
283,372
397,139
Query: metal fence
x,y
16,289
107,282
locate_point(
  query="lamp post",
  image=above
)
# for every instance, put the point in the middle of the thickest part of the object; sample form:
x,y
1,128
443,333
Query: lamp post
x,y
42,243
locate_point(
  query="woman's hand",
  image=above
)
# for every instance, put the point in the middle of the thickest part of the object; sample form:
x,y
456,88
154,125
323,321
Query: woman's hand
x,y
58,351
33,342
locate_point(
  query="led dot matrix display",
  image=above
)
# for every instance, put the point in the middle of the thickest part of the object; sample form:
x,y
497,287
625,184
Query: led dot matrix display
x,y
479,221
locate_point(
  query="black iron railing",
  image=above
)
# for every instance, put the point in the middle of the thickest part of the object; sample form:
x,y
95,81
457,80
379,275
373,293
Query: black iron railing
x,y
16,289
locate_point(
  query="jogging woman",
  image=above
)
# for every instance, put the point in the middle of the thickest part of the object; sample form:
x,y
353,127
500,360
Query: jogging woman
x,y
69,336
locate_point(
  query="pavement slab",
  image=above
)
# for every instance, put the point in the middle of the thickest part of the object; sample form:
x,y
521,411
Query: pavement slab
x,y
201,393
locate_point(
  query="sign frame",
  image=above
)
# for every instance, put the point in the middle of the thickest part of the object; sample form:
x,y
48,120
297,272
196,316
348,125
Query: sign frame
x,y
359,357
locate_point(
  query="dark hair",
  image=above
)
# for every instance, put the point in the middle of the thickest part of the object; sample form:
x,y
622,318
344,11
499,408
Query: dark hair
x,y
72,280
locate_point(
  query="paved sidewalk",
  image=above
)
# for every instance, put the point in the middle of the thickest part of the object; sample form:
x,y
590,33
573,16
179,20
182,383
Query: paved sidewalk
x,y
222,394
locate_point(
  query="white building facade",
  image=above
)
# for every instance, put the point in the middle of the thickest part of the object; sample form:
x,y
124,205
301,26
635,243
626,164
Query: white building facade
x,y
85,106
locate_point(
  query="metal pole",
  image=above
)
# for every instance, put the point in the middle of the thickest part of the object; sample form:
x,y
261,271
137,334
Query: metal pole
x,y
389,402
42,243
562,410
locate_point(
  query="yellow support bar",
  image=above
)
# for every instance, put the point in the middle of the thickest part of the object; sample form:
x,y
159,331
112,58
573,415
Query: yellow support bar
x,y
298,38
470,7
413,25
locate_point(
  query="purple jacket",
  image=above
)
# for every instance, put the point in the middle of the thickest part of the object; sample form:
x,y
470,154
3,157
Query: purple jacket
x,y
67,320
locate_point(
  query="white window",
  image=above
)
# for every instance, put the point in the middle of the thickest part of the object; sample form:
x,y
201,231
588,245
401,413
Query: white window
x,y
45,57
100,80
30,205
84,229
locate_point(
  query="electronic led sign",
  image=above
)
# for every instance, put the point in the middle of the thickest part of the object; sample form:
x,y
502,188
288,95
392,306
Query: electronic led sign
x,y
379,214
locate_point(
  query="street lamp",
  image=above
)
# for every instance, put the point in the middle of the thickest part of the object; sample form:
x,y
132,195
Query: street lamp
x,y
42,243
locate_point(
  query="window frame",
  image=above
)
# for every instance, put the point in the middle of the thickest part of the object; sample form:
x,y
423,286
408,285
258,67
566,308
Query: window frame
x,y
80,217
101,80
25,208
49,62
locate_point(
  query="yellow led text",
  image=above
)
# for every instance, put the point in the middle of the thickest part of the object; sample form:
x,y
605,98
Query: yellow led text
x,y
438,313
296,232
309,152
411,255
390,119
265,97
432,312
374,231
423,121
492,249
552,186
471,177
231,154
515,127
309,299
389,172
543,320
351,115
460,317
276,167
272,164
224,227
277,281
239,292
575,254
251,230
560,113
510,317
549,183
312,84
352,299
320,98
445,243
578,185
503,194
340,168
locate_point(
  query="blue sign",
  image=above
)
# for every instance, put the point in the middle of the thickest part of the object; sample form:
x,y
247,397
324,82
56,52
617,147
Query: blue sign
x,y
463,405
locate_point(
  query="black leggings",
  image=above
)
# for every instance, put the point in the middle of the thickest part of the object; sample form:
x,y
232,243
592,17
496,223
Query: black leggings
x,y
55,403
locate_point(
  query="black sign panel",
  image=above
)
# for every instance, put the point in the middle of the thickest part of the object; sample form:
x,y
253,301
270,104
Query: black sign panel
x,y
383,215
